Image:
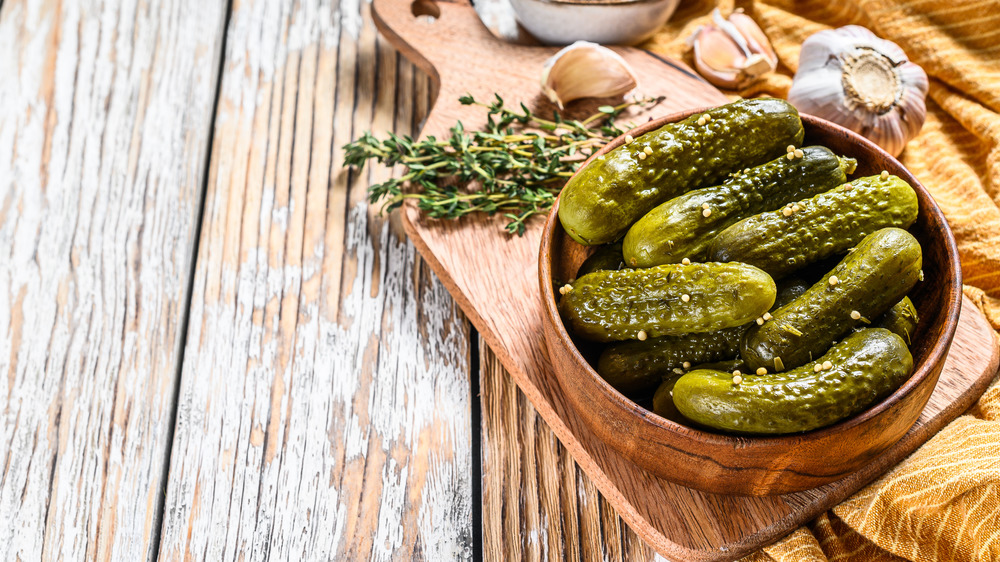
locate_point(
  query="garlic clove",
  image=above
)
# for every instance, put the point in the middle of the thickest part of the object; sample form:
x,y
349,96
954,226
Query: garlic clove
x,y
586,70
755,38
864,83
717,57
732,53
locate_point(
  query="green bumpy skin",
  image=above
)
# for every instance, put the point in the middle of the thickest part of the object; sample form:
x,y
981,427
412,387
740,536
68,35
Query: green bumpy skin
x,y
870,280
901,319
616,305
678,228
634,367
825,225
604,198
867,366
607,258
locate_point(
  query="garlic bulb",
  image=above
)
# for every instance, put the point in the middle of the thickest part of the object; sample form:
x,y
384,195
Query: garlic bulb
x,y
864,83
586,70
732,53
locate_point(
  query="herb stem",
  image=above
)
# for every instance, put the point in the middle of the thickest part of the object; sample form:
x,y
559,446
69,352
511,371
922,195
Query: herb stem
x,y
515,166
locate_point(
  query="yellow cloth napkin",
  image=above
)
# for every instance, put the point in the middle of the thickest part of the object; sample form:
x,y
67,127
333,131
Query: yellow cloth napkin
x,y
943,502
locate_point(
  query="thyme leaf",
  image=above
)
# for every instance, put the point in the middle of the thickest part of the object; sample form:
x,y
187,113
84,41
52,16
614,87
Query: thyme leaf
x,y
515,166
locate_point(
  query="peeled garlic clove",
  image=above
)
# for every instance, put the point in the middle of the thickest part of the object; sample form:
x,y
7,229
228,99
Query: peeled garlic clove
x,y
732,53
852,77
586,70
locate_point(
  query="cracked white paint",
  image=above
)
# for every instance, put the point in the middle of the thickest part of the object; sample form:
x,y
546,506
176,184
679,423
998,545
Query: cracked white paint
x,y
389,532
322,385
105,110
441,508
305,432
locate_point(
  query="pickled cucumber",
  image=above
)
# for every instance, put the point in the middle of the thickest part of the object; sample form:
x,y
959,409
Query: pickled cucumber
x,y
901,320
865,284
604,198
865,367
607,257
663,400
680,229
665,300
637,366
828,224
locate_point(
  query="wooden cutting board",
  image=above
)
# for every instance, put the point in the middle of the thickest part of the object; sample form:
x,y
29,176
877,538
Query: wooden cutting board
x,y
493,277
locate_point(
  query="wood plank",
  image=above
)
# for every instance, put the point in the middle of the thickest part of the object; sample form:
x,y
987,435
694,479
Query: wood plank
x,y
105,113
324,402
537,503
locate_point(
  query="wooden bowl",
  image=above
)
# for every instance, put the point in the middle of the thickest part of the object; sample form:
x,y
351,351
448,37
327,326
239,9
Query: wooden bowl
x,y
726,464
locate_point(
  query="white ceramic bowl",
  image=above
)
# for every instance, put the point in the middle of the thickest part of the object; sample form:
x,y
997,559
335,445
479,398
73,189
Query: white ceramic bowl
x,y
607,22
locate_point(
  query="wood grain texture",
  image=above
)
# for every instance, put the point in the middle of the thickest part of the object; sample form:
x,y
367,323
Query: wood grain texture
x,y
537,502
324,403
442,47
105,114
491,275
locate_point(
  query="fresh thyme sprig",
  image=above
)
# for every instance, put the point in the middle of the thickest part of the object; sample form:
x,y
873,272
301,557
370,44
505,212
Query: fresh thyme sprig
x,y
516,166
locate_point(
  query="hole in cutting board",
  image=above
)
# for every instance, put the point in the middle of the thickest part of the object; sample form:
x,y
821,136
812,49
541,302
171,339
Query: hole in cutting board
x,y
426,11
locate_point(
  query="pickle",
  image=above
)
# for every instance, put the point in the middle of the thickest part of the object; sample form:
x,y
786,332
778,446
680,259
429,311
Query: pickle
x,y
636,366
828,224
865,284
789,289
602,200
607,257
865,367
665,300
679,229
901,320
663,401
727,366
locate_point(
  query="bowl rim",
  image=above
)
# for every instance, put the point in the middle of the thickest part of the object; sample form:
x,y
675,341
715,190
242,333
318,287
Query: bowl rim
x,y
921,372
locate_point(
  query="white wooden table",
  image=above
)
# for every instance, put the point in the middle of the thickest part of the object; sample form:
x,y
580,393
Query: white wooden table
x,y
214,349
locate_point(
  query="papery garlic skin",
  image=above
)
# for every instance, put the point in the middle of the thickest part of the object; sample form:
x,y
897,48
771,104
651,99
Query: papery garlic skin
x,y
586,70
853,78
732,53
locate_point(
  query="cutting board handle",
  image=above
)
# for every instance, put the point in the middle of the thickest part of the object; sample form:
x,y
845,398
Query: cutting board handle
x,y
447,40
431,33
